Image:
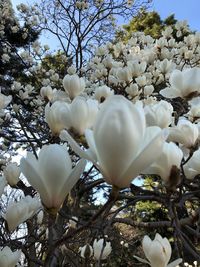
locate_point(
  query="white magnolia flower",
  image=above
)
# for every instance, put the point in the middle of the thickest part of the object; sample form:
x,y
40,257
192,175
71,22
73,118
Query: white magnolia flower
x,y
192,167
101,248
3,183
73,85
165,66
51,175
121,145
141,80
159,114
12,173
194,111
4,100
124,74
158,252
57,116
46,92
171,156
86,251
133,90
82,114
148,90
102,92
19,212
185,133
9,258
183,83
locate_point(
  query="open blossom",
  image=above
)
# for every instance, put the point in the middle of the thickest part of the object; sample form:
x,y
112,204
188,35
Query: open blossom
x,y
183,83
4,100
185,133
73,85
9,258
120,145
101,248
19,212
158,252
171,156
52,174
192,167
102,92
12,173
159,114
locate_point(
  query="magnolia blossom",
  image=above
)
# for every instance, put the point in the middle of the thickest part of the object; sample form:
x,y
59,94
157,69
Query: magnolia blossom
x,y
148,90
51,175
183,83
4,100
121,145
158,252
82,114
185,133
19,212
171,156
12,173
9,258
3,183
194,111
73,85
192,167
46,92
102,249
124,74
57,116
159,114
86,251
102,92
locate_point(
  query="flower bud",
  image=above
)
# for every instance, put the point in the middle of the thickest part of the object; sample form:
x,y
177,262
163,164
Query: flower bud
x,y
73,85
12,173
102,249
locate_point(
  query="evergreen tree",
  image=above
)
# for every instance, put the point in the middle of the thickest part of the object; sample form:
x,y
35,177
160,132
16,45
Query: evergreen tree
x,y
14,37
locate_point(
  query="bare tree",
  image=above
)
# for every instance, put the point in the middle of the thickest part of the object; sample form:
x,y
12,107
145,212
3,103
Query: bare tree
x,y
81,25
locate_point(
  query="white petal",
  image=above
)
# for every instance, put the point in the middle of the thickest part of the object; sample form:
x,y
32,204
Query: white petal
x,y
29,169
141,260
73,178
65,136
170,92
152,148
89,135
175,263
146,245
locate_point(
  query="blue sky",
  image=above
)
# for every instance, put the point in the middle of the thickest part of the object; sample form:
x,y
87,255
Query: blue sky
x,y
183,9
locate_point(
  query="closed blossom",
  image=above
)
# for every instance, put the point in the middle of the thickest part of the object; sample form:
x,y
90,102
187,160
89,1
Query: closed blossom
x,y
73,85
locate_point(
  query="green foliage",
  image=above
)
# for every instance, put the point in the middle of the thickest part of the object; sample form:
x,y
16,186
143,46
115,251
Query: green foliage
x,y
148,22
57,62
